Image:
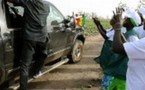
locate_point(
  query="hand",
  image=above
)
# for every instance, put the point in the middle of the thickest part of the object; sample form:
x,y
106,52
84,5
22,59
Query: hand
x,y
116,21
96,20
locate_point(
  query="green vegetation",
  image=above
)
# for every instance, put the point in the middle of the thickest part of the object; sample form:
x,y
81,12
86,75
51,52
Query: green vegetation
x,y
91,27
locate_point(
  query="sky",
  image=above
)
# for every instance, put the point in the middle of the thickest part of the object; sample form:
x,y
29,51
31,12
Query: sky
x,y
102,8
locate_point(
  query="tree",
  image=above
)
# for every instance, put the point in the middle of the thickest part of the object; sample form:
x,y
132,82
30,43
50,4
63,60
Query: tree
x,y
122,5
141,4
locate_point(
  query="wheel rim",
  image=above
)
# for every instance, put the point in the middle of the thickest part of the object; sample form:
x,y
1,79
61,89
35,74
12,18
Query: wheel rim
x,y
78,52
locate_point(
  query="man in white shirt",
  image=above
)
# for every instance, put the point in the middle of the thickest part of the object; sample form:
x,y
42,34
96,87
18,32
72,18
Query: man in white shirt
x,y
136,67
135,52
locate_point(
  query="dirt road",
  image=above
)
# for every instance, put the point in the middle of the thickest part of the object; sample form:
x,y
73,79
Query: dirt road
x,y
85,75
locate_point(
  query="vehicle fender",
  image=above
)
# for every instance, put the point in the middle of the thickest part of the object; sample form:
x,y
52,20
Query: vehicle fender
x,y
79,36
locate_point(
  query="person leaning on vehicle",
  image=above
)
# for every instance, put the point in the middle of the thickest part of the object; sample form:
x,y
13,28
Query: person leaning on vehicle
x,y
35,37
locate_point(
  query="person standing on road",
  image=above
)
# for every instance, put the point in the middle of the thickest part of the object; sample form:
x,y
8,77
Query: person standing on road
x,y
77,20
35,36
114,76
136,53
83,20
114,73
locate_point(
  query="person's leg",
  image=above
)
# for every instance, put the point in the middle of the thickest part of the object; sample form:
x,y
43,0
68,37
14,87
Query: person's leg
x,y
27,56
17,48
40,56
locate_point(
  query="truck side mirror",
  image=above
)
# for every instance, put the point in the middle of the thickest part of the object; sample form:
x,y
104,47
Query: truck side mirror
x,y
55,25
66,21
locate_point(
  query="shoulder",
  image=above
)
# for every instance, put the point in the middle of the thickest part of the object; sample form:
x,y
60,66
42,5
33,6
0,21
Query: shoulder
x,y
132,32
137,46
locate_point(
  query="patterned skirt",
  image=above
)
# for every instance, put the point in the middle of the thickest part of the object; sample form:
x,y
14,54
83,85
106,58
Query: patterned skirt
x,y
112,83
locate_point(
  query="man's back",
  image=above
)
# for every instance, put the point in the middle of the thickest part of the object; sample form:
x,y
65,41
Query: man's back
x,y
35,16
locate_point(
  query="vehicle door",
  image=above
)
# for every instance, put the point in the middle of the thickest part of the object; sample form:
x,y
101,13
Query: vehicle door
x,y
2,78
11,35
57,33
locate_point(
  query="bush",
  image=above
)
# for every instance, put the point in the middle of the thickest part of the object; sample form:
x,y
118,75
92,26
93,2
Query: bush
x,y
91,27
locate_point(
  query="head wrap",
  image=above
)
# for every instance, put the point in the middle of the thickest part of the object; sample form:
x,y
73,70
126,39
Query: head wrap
x,y
134,16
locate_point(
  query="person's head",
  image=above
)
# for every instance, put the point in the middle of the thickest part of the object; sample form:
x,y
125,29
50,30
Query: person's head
x,y
128,22
83,15
131,19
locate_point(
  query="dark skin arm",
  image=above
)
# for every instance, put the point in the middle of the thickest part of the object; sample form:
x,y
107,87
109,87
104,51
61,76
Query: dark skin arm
x,y
117,42
100,27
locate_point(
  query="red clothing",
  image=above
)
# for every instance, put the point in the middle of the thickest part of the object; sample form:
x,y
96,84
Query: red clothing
x,y
78,21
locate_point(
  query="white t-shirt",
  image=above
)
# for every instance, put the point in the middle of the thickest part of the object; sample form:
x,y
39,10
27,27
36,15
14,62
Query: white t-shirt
x,y
140,31
110,33
132,38
136,65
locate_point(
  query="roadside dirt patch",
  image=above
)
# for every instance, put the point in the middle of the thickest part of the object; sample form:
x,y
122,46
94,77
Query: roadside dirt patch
x,y
85,75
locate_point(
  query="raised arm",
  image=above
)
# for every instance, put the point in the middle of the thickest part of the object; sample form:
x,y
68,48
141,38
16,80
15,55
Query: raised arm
x,y
117,42
100,27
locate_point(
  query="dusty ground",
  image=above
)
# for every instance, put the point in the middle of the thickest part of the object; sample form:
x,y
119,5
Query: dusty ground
x,y
85,75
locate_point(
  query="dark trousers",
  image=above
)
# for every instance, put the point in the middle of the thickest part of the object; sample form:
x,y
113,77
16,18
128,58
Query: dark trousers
x,y
31,50
17,48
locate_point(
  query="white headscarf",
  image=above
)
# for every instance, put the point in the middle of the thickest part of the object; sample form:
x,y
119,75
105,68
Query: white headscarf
x,y
130,13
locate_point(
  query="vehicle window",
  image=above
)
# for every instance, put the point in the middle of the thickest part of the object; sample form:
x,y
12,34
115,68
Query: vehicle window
x,y
54,15
13,16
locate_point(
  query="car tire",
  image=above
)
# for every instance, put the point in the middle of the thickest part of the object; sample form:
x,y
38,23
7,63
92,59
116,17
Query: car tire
x,y
77,52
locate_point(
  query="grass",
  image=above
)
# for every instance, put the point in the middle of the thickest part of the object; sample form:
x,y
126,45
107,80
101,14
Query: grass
x,y
91,27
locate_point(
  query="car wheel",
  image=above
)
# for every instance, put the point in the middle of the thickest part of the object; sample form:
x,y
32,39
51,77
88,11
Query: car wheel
x,y
77,52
